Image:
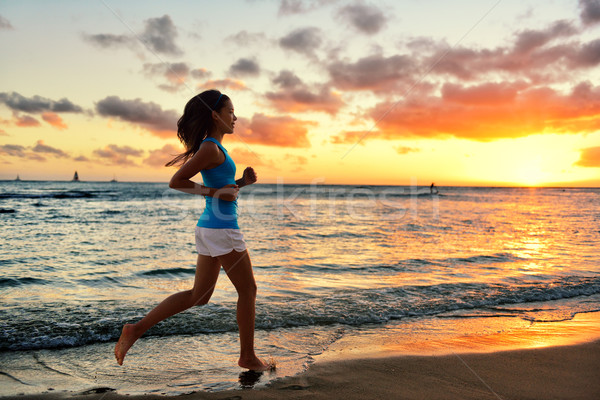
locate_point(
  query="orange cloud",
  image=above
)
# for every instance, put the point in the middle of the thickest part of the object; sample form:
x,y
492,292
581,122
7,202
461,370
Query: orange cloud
x,y
248,157
302,99
406,150
54,119
297,161
351,137
26,121
485,94
294,95
159,157
590,157
274,131
511,111
221,84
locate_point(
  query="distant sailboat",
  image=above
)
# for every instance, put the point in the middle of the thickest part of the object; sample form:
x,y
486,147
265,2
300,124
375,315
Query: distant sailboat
x,y
114,179
18,179
75,177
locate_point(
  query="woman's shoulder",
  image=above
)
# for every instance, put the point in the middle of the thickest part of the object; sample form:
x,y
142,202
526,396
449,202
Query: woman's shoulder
x,y
209,152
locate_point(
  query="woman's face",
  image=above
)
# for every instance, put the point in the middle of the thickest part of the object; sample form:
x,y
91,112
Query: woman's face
x,y
226,118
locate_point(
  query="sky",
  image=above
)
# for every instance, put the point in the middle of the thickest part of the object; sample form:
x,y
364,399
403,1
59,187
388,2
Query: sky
x,y
462,92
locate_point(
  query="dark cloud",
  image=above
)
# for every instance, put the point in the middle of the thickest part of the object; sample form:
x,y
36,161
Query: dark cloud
x,y
5,24
542,64
590,11
543,56
377,73
286,79
303,99
81,159
295,96
13,150
588,55
590,157
200,73
172,71
274,131
530,40
176,74
159,35
118,155
291,7
107,40
245,38
245,67
33,152
40,147
303,40
35,104
147,115
364,18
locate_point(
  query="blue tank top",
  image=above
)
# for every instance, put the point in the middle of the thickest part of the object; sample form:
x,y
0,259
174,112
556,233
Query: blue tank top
x,y
219,214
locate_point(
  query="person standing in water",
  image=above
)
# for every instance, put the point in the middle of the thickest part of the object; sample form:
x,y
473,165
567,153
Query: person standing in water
x,y
433,189
207,118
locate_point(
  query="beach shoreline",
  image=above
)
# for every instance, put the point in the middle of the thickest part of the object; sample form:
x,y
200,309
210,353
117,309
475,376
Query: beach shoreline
x,y
555,360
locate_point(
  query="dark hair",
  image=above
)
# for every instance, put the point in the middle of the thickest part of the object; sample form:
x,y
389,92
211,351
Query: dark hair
x,y
196,122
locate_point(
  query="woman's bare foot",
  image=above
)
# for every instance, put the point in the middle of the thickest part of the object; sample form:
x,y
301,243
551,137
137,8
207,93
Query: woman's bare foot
x,y
127,339
256,364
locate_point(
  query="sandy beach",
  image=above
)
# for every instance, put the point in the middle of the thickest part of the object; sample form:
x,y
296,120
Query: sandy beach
x,y
541,365
561,372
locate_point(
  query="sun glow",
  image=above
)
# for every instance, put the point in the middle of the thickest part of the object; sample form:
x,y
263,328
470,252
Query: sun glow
x,y
531,172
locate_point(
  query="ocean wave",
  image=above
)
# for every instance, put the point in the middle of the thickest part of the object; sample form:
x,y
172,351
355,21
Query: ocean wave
x,y
482,259
71,194
13,282
168,272
56,325
59,194
417,264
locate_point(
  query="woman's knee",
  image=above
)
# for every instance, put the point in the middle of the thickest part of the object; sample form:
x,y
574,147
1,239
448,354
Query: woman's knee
x,y
200,299
247,290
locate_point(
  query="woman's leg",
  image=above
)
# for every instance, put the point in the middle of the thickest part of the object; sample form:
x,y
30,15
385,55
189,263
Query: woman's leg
x,y
239,270
207,273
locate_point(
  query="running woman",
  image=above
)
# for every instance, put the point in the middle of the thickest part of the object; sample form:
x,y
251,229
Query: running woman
x,y
207,118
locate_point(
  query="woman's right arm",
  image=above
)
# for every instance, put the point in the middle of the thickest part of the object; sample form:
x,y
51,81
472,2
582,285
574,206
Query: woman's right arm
x,y
206,157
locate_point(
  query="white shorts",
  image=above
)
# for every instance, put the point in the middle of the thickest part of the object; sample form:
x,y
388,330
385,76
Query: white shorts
x,y
216,242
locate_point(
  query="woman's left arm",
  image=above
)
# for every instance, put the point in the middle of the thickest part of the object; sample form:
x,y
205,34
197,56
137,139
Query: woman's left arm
x,y
248,178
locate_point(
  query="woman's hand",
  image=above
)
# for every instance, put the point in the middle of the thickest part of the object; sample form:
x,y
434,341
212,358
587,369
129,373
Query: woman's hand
x,y
227,192
249,176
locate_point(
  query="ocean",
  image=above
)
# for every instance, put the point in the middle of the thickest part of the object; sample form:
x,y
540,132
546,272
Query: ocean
x,y
80,259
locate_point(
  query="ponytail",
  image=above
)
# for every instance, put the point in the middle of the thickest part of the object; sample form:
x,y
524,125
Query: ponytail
x,y
196,122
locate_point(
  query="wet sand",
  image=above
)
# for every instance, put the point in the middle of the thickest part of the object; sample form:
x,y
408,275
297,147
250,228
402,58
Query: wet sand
x,y
561,372
545,367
